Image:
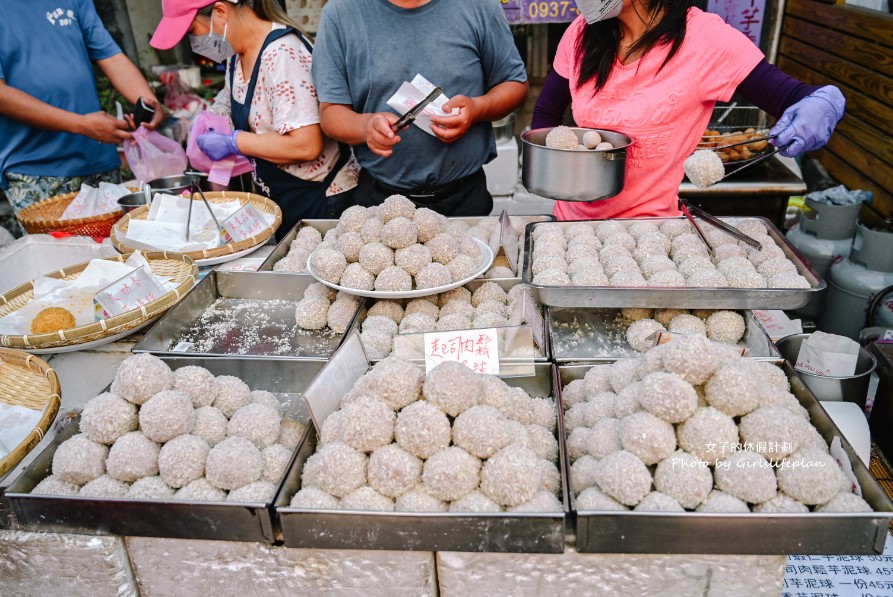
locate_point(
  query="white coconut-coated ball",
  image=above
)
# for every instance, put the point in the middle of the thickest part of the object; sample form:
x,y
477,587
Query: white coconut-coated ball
x,y
314,498
648,437
780,504
433,275
481,431
357,277
107,417
452,387
624,477
422,429
543,443
733,389
622,373
775,432
132,457
166,415
368,424
721,502
256,492
658,502
258,423
474,501
266,398
392,471
690,357
394,381
419,500
747,476
688,324
352,218
583,473
708,434
150,488
810,476
511,476
542,501
182,460
328,264
232,394
597,379
725,326
140,377
451,473
210,425
668,397
640,334
311,313
79,460
200,490
196,382
592,499
234,462
574,393
845,502
276,459
53,485
104,487
685,478
336,468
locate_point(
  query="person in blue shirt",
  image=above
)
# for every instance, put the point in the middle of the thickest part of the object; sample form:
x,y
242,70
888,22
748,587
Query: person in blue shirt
x,y
53,134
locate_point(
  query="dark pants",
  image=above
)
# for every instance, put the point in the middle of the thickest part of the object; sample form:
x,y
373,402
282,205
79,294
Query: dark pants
x,y
462,198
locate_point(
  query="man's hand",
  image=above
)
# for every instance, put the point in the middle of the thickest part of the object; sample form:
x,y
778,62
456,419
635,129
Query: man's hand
x,y
103,128
379,136
463,112
160,113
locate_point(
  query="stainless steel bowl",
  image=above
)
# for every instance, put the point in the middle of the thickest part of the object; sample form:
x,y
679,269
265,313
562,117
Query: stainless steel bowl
x,y
131,201
182,181
573,174
504,128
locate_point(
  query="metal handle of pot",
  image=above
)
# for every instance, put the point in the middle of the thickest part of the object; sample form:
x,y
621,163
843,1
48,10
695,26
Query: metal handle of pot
x,y
620,155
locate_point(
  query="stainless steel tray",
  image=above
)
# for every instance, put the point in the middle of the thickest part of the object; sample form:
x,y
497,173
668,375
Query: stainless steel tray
x,y
754,533
278,337
579,335
680,298
346,529
230,521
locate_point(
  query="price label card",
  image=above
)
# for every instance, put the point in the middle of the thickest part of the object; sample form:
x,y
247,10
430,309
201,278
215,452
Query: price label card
x,y
777,324
136,289
244,223
476,349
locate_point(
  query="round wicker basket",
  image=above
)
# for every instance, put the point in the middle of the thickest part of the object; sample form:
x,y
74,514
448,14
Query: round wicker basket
x,y
28,381
180,269
259,202
43,217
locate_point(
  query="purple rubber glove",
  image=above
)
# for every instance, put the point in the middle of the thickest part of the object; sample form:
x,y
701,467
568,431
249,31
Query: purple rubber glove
x,y
219,145
808,124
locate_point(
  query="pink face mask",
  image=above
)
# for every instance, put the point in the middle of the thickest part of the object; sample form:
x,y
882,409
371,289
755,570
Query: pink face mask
x,y
599,10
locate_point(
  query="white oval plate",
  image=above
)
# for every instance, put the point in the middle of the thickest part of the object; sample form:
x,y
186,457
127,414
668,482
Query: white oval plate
x,y
486,262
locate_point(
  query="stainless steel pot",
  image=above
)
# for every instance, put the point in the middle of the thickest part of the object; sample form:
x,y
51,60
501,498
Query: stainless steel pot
x,y
181,181
504,128
131,201
573,174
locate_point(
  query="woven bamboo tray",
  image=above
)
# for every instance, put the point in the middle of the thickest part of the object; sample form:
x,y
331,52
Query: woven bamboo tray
x,y
28,381
43,217
182,270
259,202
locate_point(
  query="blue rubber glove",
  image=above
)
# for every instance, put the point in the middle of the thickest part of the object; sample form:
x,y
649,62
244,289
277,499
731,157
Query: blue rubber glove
x,y
808,124
219,145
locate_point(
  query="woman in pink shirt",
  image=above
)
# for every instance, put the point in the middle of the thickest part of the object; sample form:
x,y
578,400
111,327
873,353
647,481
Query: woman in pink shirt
x,y
653,69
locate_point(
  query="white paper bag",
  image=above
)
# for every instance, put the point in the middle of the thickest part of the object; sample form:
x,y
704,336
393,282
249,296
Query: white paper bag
x,y
828,355
410,94
91,201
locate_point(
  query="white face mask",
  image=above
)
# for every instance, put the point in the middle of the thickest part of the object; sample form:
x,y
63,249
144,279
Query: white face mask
x,y
212,46
599,10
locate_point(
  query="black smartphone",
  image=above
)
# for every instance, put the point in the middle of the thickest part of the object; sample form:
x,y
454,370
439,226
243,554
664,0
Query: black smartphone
x,y
142,112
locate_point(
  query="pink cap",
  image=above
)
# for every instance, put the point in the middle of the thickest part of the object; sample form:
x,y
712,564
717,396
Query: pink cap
x,y
178,16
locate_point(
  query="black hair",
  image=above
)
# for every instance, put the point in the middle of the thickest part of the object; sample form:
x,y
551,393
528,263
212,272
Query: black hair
x,y
268,10
599,44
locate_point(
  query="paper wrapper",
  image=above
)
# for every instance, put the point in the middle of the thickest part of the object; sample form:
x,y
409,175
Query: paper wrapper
x,y
91,201
828,355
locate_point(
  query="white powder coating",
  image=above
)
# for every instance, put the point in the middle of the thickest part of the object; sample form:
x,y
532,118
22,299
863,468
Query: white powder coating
x,y
628,278
543,443
562,137
694,264
622,373
597,379
399,233
443,247
668,397
781,503
422,306
415,323
551,277
604,439
723,252
368,424
352,218
328,264
375,257
777,430
691,358
452,387
79,460
628,401
380,323
312,313
433,275
658,502
725,326
646,436
593,499
150,488
419,500
474,501
685,478
776,265
707,278
704,168
656,263
370,232
197,383
708,434
314,498
107,417
396,206
182,460
396,382
393,279
462,266
845,502
583,473
132,457
733,389
210,425
276,459
257,492
481,431
810,476
789,280
366,498
232,394
542,501
377,344
290,433
104,487
574,393
772,375
747,476
392,471
349,244
335,468
429,223
166,415
544,413
722,502
266,398
387,308
511,476
451,473
575,417
619,263
234,462
688,324
667,278
53,485
140,377
357,277
640,334
200,490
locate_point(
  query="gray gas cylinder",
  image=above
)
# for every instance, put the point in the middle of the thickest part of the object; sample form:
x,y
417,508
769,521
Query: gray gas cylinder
x,y
854,280
824,234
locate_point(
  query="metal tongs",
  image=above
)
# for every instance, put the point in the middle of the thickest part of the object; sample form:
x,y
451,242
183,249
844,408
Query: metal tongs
x,y
193,188
413,113
687,210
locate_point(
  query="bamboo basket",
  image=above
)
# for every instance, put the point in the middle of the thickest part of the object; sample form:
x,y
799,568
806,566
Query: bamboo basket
x,y
43,217
259,202
182,270
28,381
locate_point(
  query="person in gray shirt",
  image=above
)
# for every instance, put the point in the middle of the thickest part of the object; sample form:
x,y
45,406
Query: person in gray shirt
x,y
365,49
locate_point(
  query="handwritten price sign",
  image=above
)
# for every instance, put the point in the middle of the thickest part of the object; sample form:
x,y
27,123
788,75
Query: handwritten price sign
x,y
245,223
476,349
136,289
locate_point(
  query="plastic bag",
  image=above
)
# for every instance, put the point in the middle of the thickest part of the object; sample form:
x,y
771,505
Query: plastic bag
x,y
151,155
840,195
221,171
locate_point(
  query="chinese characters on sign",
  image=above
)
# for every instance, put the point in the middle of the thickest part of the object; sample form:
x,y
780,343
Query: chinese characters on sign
x,y
136,289
245,223
476,349
744,15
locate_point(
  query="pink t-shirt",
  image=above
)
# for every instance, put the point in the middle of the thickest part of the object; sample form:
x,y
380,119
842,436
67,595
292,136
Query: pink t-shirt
x,y
664,112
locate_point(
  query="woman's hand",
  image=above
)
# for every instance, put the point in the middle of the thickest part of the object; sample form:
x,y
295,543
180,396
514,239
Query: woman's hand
x,y
218,145
808,124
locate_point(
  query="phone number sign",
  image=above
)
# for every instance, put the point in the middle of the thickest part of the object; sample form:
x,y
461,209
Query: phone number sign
x,y
546,11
